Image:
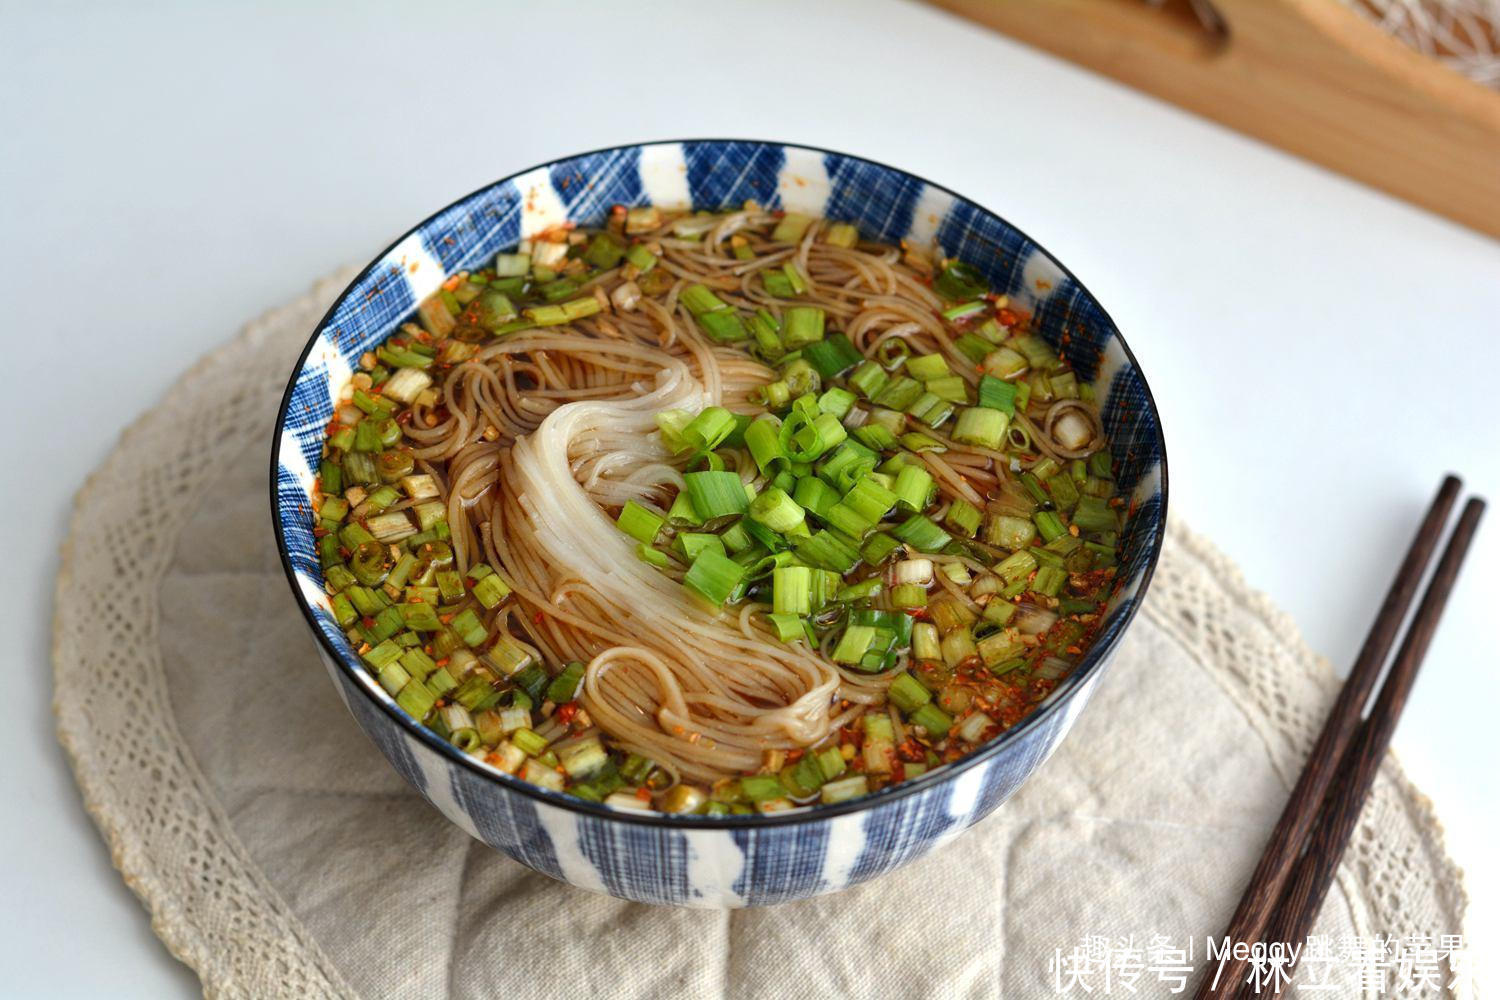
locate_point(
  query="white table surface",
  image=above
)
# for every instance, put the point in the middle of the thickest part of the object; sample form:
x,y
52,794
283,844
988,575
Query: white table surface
x,y
1321,353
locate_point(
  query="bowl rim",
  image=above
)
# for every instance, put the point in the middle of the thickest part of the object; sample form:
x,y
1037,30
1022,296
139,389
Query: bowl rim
x,y
1092,661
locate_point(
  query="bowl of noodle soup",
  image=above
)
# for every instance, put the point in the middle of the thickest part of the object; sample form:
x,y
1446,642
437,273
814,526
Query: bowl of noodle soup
x,y
716,522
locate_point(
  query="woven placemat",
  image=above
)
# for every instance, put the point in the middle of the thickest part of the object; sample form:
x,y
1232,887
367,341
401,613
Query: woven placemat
x,y
279,855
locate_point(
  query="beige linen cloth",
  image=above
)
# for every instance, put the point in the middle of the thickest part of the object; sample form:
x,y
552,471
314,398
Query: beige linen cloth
x,y
280,856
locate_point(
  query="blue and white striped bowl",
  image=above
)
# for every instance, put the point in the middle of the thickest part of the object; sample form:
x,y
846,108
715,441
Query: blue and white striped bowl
x,y
691,860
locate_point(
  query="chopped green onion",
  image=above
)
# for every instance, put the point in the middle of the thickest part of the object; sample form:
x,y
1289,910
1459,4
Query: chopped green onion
x,y
763,440
1034,489
973,347
512,265
778,284
836,401
964,310
832,356
642,218
805,440
909,595
1004,363
1095,514
530,742
826,585
853,643
1036,350
841,234
491,590
359,468
709,428
555,291
714,494
803,325
762,787
963,517
930,408
907,693
699,300
372,405
925,644
564,686
1046,555
789,628
876,436
643,259
815,495
776,510
957,281
330,479
804,777
416,699
865,590
996,394
850,461
724,326
1049,580
713,576
693,542
950,387
736,538
1002,646
381,655
926,367
1064,491
584,758
795,277
869,378
766,329
791,227
343,610
827,550
393,677
791,590
567,312
509,657
844,789
913,487
650,556
922,534
1016,567
1048,525
1009,532
982,426
801,377
869,499
639,523
604,251
933,719
899,393
843,518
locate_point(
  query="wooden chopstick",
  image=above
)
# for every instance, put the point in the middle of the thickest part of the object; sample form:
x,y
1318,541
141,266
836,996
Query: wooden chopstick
x,y
1313,873
1290,833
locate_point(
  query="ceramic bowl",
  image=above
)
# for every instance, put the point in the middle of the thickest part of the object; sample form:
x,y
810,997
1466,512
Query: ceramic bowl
x,y
692,860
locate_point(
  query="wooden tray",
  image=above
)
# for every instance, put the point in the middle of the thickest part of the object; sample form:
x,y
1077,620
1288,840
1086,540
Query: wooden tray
x,y
1310,76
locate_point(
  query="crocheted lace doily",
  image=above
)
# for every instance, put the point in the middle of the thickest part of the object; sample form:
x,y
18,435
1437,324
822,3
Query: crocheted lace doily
x,y
279,856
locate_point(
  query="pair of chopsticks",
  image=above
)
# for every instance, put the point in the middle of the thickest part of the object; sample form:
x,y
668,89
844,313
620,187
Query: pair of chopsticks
x,y
1292,878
